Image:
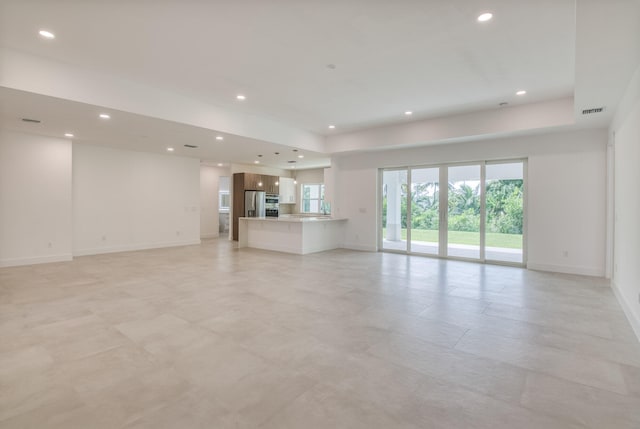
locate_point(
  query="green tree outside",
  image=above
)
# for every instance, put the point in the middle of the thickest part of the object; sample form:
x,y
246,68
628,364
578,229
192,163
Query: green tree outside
x,y
504,208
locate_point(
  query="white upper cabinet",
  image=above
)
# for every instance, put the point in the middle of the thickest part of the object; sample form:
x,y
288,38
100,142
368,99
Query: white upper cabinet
x,y
287,191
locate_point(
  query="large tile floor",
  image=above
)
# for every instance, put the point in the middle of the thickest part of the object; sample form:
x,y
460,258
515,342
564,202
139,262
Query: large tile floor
x,y
211,336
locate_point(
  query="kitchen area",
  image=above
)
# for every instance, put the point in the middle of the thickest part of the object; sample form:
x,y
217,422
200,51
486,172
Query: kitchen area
x,y
265,217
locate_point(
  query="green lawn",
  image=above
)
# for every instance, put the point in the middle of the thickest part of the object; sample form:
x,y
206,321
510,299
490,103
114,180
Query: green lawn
x,y
493,239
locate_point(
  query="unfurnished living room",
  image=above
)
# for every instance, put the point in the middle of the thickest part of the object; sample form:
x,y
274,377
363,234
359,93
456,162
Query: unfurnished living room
x,y
320,214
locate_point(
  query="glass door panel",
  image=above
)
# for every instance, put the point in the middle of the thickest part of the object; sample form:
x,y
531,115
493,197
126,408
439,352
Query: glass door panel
x,y
504,207
394,210
463,211
425,210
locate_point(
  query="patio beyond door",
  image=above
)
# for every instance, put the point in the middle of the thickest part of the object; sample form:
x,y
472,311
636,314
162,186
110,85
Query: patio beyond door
x,y
478,215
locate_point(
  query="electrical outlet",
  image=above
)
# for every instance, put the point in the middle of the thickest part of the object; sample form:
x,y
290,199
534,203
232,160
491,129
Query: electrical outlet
x,y
565,253
104,238
177,232
50,245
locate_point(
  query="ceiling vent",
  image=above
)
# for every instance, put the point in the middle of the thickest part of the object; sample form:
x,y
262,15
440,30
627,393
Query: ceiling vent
x,y
33,121
291,162
190,146
594,110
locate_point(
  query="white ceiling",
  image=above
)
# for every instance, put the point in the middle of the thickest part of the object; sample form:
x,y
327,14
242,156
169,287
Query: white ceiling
x,y
428,56
136,132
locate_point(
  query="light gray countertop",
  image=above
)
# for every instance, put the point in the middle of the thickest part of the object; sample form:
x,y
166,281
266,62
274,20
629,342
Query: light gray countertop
x,y
295,219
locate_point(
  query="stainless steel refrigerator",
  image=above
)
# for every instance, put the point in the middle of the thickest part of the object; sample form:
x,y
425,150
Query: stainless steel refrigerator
x,y
254,203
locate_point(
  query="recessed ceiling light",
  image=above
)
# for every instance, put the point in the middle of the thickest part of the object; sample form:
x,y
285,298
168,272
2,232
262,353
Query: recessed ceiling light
x,y
408,113
68,135
241,97
170,149
104,116
521,92
219,138
256,162
300,156
485,17
47,34
219,164
293,166
331,127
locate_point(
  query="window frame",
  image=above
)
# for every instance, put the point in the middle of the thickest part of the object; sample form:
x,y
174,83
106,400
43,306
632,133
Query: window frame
x,y
320,199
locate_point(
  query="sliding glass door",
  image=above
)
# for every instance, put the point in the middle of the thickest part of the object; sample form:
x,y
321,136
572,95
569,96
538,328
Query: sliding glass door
x,y
505,212
394,210
478,215
463,211
425,210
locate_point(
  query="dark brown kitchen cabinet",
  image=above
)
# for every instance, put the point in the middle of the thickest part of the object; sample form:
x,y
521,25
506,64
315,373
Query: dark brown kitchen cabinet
x,y
270,184
249,182
260,182
252,182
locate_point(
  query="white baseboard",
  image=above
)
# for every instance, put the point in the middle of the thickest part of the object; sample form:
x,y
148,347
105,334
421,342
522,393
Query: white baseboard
x,y
360,247
212,235
15,262
567,269
132,247
634,320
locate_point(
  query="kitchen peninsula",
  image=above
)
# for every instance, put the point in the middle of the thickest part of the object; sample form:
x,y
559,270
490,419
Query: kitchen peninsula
x,y
292,234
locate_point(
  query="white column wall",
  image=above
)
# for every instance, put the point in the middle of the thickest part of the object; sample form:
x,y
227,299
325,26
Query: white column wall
x,y
35,199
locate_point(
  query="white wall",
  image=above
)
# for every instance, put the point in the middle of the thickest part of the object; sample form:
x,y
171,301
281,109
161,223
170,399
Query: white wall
x,y
626,271
566,193
35,199
457,128
125,200
567,211
209,203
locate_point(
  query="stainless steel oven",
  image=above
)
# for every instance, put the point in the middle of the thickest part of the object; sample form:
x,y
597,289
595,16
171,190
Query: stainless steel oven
x,y
272,205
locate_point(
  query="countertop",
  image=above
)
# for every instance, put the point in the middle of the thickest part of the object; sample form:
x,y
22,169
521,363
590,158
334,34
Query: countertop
x,y
295,219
